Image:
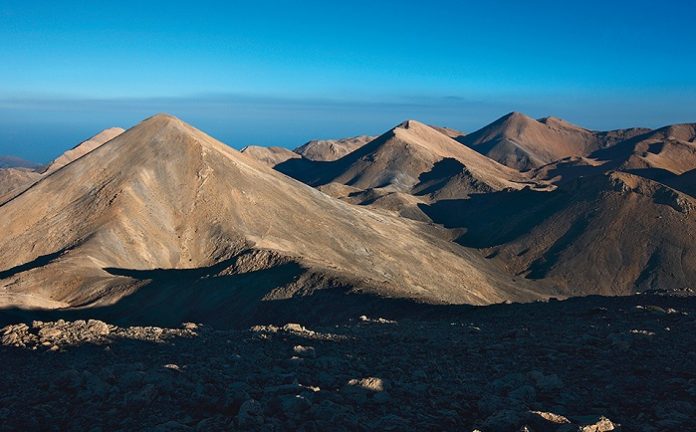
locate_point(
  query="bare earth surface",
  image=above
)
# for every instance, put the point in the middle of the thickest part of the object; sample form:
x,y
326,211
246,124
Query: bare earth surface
x,y
592,364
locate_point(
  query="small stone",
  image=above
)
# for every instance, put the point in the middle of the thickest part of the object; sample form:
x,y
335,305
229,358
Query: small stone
x,y
594,424
50,333
546,421
190,326
294,327
304,351
370,383
37,324
97,327
655,309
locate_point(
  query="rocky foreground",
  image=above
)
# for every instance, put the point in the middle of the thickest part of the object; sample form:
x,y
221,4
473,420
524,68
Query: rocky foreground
x,y
593,364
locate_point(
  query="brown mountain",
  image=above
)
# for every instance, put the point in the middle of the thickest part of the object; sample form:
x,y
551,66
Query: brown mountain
x,y
524,143
418,159
611,234
165,221
452,133
270,156
14,181
655,154
82,149
329,150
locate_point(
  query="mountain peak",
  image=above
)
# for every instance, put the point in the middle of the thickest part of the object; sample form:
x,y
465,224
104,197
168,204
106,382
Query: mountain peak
x,y
410,123
523,143
513,121
331,149
161,120
551,119
162,117
516,115
559,123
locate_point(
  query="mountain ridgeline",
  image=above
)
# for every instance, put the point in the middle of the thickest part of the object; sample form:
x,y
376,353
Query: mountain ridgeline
x,y
162,223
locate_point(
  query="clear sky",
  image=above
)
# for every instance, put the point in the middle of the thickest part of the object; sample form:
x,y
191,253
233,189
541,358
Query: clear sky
x,y
283,72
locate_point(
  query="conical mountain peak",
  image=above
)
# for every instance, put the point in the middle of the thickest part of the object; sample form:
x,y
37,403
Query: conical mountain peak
x,y
162,117
521,142
515,116
410,123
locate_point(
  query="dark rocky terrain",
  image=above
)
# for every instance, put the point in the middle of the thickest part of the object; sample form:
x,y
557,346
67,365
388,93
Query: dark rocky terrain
x,y
585,364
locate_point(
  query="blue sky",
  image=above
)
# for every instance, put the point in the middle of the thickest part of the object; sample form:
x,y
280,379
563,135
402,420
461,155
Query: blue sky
x,y
282,72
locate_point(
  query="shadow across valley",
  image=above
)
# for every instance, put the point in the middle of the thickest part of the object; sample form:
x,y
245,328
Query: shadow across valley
x,y
441,173
495,218
220,297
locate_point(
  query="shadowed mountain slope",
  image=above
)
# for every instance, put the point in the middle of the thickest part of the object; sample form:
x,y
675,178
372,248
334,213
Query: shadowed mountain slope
x,y
657,154
606,234
685,182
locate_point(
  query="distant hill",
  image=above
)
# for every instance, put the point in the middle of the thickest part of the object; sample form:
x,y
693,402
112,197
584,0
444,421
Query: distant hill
x,y
270,156
14,181
15,162
523,143
655,154
329,150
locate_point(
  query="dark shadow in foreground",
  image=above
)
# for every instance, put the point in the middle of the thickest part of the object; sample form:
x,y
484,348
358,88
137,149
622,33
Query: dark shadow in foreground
x,y
213,296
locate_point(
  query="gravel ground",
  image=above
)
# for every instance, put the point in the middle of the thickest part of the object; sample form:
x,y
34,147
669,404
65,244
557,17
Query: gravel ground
x,y
594,364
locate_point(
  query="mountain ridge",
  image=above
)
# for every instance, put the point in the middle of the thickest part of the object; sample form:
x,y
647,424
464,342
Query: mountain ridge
x,y
137,215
